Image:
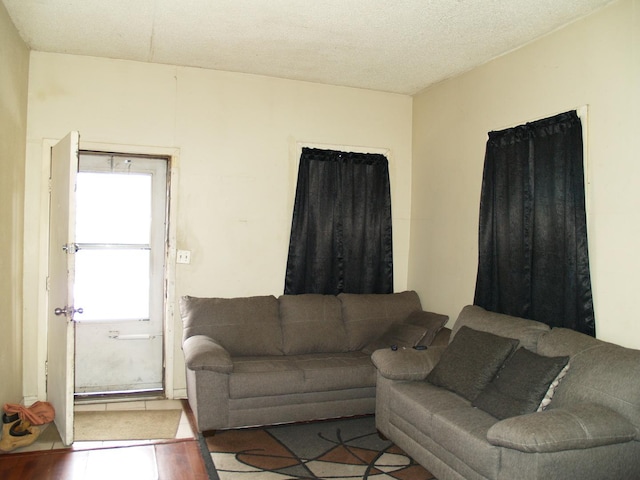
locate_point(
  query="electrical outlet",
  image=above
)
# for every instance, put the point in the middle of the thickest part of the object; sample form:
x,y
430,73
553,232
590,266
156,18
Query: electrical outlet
x,y
183,256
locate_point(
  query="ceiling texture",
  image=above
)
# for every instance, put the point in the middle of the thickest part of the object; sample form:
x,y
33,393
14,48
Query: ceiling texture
x,y
400,46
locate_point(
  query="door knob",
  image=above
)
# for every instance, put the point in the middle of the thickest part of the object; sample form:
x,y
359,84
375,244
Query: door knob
x,y
68,311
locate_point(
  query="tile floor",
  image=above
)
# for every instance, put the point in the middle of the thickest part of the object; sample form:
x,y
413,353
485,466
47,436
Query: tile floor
x,y
49,439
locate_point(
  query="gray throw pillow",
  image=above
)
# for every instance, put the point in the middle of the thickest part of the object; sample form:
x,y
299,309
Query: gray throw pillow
x,y
399,334
471,361
520,385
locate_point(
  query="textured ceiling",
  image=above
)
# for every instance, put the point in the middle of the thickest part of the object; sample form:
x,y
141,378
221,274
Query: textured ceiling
x,y
398,46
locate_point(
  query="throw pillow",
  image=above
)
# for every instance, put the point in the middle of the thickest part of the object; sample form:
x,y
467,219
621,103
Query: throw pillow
x,y
399,334
520,384
471,361
552,389
433,322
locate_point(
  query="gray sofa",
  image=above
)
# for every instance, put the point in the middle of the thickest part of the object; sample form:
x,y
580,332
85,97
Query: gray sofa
x,y
589,430
266,360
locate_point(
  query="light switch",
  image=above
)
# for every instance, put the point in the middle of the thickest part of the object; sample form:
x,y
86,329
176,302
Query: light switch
x,y
183,256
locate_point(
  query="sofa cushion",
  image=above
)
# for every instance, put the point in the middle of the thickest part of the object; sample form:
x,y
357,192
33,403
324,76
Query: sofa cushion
x,y
520,384
312,323
575,427
294,374
471,361
265,376
418,402
463,432
400,335
564,341
243,326
415,404
526,331
433,322
367,316
336,371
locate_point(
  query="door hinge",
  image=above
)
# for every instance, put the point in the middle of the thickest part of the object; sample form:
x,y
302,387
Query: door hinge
x,y
46,369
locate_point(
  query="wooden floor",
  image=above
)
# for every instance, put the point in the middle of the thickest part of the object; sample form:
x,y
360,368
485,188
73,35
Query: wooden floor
x,y
174,459
169,460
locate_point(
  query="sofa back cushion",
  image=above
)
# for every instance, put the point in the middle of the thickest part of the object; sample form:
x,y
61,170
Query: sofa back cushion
x,y
433,322
526,331
599,372
368,316
312,323
243,326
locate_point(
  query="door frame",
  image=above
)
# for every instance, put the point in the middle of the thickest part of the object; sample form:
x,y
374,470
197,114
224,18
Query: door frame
x,y
171,313
145,374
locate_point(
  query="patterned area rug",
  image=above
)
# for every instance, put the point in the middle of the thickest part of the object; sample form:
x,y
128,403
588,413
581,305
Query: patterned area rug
x,y
340,449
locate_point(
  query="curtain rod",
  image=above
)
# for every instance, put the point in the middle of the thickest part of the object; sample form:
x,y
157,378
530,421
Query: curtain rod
x,y
581,111
343,148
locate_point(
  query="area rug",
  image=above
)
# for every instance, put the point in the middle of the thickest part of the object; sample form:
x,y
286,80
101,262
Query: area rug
x,y
126,425
340,449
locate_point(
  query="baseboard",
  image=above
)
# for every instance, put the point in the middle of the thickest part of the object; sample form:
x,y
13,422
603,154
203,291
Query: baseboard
x,y
28,401
179,393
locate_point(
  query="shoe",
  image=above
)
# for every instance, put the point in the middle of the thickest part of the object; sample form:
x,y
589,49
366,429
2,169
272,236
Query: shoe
x,y
7,422
20,434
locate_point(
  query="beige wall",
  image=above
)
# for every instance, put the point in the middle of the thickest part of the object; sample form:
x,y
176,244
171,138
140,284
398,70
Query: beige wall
x,y
237,137
594,62
14,71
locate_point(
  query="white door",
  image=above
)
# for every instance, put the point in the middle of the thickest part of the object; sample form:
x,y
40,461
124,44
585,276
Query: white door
x,y
119,273
61,310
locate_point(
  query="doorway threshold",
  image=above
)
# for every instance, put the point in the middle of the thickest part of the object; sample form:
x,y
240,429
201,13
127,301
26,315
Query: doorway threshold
x,y
124,396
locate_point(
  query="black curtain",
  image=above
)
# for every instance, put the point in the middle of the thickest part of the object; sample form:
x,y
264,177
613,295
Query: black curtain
x,y
533,255
341,229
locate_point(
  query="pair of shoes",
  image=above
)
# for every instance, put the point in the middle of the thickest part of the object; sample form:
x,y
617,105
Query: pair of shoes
x,y
17,433
7,422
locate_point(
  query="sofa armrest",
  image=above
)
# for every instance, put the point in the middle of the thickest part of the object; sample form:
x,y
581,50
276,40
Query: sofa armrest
x,y
576,427
204,353
406,364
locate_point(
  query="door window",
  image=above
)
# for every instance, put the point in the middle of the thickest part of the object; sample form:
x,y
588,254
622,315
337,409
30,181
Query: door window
x,y
113,234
